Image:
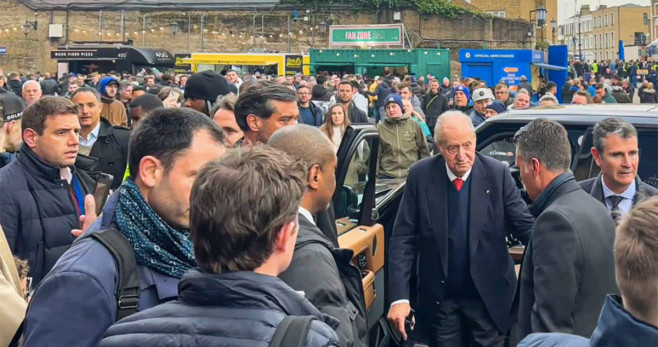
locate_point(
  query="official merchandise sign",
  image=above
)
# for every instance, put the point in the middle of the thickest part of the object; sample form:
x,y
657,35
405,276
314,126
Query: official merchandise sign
x,y
366,35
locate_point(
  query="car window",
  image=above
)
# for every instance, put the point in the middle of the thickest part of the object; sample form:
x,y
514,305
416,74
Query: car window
x,y
501,149
351,193
501,146
648,170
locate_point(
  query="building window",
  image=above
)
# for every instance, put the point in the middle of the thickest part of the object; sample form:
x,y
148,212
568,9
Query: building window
x,y
612,40
612,19
605,40
499,14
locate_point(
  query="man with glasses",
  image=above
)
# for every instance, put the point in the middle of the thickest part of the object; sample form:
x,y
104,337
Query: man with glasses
x,y
309,113
502,94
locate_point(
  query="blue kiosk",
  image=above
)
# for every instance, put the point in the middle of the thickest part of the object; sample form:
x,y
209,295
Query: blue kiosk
x,y
496,65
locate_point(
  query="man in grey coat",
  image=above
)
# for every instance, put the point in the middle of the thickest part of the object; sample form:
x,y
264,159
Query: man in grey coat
x,y
568,266
617,153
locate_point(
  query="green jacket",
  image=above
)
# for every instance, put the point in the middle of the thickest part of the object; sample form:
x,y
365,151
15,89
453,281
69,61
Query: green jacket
x,y
401,143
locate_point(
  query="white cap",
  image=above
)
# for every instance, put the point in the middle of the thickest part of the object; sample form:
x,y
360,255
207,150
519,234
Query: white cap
x,y
482,93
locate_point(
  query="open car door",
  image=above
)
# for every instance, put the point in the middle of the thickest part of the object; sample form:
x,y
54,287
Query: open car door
x,y
354,205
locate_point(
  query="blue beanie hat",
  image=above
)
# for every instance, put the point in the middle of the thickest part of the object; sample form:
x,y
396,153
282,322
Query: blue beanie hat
x,y
463,90
396,98
497,106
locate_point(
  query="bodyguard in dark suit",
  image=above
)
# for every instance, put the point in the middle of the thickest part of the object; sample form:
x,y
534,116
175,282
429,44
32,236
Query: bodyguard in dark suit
x,y
454,215
568,266
616,152
322,271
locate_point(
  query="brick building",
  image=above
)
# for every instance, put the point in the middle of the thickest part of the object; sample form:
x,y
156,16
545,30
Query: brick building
x,y
522,9
630,23
577,33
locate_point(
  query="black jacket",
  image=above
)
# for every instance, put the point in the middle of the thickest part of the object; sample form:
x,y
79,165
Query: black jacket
x,y
421,229
316,112
49,86
434,105
16,87
648,96
232,309
37,212
357,116
111,149
621,96
568,266
594,187
329,281
567,93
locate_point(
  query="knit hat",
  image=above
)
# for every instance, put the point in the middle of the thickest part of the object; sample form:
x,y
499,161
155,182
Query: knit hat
x,y
497,106
463,90
206,85
11,108
396,98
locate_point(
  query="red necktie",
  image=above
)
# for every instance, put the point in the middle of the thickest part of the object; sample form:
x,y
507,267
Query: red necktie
x,y
459,183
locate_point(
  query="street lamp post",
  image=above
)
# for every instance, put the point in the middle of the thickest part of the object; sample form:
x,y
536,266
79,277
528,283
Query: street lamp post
x,y
553,28
540,15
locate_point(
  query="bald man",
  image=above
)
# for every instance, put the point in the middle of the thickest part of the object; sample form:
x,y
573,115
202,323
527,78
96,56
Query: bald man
x,y
318,268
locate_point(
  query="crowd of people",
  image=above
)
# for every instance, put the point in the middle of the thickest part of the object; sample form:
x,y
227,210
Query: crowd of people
x,y
218,227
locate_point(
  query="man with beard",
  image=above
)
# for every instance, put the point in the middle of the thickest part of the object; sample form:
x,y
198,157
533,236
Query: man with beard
x,y
434,104
113,110
309,113
264,108
345,96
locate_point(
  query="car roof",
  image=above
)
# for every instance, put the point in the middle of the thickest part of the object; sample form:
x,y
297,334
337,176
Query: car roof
x,y
636,114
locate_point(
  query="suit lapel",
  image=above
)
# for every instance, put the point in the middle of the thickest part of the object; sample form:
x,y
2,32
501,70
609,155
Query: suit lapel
x,y
597,189
478,204
438,210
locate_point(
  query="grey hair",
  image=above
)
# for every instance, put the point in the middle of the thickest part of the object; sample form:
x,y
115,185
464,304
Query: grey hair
x,y
521,91
548,96
547,141
611,126
449,115
30,82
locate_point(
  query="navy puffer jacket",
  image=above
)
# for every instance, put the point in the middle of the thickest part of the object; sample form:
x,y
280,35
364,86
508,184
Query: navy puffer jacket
x,y
234,309
37,212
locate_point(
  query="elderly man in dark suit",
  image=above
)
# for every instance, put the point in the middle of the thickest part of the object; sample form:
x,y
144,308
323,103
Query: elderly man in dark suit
x,y
616,152
455,213
568,266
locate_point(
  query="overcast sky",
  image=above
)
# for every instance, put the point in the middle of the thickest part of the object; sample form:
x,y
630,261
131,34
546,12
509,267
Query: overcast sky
x,y
568,8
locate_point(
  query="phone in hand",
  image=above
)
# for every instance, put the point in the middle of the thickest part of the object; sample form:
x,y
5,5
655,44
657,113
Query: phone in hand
x,y
102,191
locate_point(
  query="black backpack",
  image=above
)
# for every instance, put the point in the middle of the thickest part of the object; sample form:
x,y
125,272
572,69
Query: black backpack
x,y
127,289
292,331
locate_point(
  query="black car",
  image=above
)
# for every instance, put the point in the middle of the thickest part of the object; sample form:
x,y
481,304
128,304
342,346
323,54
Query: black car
x,y
366,206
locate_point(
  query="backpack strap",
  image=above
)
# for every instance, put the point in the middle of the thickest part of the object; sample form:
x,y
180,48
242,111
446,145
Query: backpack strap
x,y
292,331
127,290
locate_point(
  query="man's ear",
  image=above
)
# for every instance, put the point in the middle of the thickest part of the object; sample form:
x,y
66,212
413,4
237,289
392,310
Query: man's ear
x,y
285,233
314,177
30,138
535,167
150,171
254,122
596,155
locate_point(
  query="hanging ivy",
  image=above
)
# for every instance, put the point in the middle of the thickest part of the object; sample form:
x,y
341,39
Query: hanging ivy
x,y
441,8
